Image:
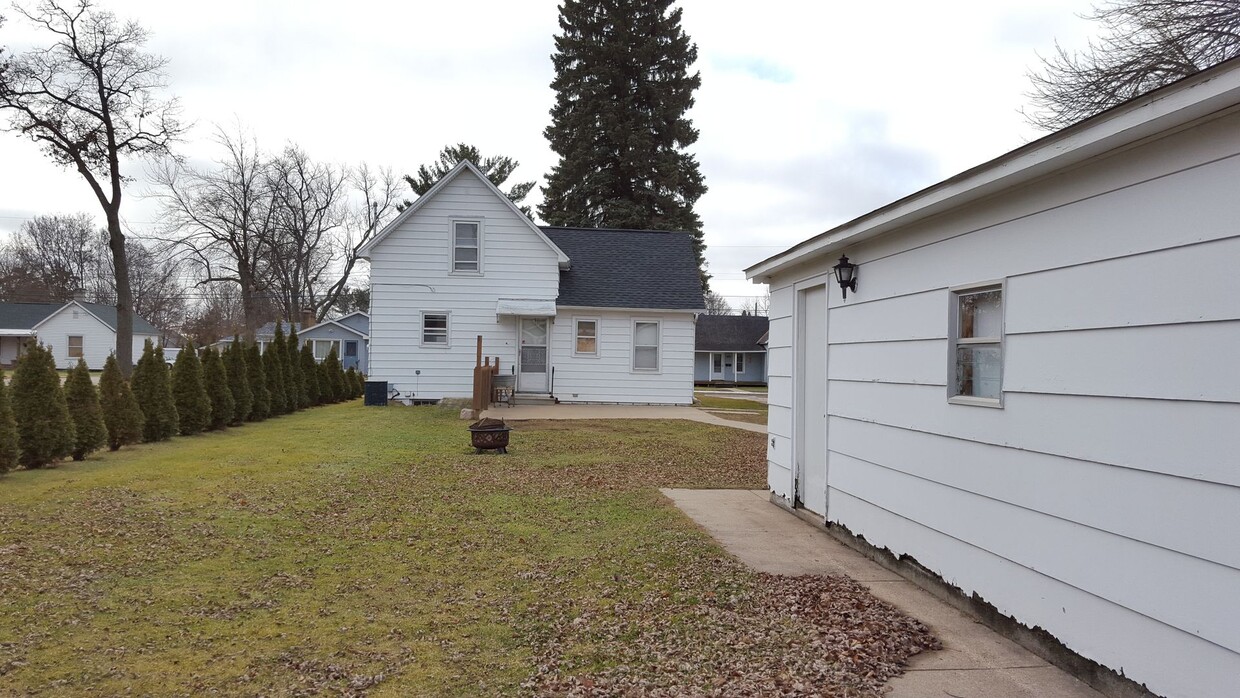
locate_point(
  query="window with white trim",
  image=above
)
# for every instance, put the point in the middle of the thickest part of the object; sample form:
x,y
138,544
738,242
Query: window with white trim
x,y
586,337
323,347
977,345
466,246
645,345
434,329
740,363
75,346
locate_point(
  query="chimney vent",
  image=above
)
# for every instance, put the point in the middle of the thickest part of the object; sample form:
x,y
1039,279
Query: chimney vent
x,y
307,319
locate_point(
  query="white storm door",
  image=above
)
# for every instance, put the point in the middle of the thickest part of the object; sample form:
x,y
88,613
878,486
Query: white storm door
x,y
811,400
716,367
532,360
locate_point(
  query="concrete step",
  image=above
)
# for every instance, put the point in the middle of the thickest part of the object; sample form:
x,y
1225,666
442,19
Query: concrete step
x,y
532,399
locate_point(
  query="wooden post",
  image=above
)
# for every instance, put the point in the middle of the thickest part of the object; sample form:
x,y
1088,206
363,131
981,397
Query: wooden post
x,y
478,406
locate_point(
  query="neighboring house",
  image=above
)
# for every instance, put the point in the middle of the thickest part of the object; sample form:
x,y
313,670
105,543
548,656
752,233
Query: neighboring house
x,y
731,350
348,335
580,315
72,330
1034,389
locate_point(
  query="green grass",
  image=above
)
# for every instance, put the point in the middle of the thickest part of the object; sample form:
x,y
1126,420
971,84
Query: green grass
x,y
357,549
727,403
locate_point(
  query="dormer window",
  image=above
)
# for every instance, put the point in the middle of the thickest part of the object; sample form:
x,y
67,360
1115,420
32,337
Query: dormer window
x,y
467,247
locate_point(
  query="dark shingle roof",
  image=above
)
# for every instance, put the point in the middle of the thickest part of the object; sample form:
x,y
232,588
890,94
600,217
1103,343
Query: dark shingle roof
x,y
24,316
628,269
731,332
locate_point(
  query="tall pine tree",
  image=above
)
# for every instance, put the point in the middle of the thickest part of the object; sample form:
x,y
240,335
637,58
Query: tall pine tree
x,y
623,88
121,414
273,364
8,431
297,394
190,393
152,386
260,405
238,381
310,370
83,400
215,376
45,432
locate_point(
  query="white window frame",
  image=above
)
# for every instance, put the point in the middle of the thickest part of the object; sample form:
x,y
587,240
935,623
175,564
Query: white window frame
x,y
577,335
658,355
314,349
954,340
69,346
738,365
452,223
447,330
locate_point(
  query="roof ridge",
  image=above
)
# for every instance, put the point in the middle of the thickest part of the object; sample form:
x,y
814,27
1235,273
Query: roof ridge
x,y
614,230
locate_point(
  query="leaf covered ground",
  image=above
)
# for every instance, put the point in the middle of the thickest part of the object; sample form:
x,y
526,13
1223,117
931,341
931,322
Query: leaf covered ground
x,y
363,551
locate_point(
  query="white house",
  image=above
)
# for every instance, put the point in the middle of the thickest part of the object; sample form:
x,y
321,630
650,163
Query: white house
x,y
1034,388
72,330
577,315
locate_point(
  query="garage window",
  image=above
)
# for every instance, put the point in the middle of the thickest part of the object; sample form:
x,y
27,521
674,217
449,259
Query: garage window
x,y
977,345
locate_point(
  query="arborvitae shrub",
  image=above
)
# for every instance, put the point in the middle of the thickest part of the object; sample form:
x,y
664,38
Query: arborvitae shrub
x,y
193,403
44,429
309,371
89,431
152,387
122,417
351,383
273,362
297,397
256,370
215,376
335,375
238,381
8,431
326,396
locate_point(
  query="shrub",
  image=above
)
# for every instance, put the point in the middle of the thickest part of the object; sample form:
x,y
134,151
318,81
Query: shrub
x,y
153,389
335,376
297,393
44,429
273,362
256,371
219,392
83,402
235,365
122,417
325,384
310,371
8,431
193,403
352,384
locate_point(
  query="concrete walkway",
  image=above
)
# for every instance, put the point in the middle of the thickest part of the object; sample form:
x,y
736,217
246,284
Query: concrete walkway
x,y
975,662
524,412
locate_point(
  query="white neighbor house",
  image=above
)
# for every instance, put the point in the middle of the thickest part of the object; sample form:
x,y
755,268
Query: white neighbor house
x,y
72,330
580,315
1034,390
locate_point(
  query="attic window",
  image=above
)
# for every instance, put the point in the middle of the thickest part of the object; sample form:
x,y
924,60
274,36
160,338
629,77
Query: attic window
x,y
466,246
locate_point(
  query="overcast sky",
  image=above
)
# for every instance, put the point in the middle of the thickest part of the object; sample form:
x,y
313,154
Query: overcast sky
x,y
811,113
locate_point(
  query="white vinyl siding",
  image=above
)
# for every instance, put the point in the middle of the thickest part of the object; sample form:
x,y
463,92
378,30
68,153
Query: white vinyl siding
x,y
1100,503
467,247
98,340
435,330
609,378
645,345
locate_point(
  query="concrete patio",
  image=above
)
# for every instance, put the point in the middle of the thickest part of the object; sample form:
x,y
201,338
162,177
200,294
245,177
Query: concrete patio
x,y
531,412
975,662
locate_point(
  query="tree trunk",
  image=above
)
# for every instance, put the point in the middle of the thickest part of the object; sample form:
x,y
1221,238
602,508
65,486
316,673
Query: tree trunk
x,y
124,294
248,308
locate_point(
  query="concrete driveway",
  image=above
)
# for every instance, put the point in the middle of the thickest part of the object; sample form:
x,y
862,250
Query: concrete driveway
x,y
975,662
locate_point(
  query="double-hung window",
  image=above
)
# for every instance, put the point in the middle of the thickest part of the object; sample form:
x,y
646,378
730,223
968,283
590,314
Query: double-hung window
x,y
977,345
323,347
586,339
645,345
434,329
740,363
466,246
75,346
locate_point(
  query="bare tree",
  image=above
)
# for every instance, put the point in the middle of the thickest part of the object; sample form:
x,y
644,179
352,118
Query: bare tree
x,y
91,99
760,305
717,304
156,277
377,201
49,259
222,219
1145,44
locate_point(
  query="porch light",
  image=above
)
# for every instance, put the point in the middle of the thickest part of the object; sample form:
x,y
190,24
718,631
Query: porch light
x,y
846,274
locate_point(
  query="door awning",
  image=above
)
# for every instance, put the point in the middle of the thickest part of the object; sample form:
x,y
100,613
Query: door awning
x,y
527,307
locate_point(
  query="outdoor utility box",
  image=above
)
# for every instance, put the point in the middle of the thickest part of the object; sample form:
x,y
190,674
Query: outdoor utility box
x,y
376,394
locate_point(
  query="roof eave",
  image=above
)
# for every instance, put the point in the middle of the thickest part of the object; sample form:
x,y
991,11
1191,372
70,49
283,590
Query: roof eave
x,y
1168,107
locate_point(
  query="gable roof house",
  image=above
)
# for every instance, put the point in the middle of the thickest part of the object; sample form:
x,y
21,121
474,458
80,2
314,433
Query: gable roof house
x,y
573,314
348,335
1033,389
72,330
731,349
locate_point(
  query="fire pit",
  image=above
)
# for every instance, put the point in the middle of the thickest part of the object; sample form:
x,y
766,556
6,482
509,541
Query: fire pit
x,y
489,435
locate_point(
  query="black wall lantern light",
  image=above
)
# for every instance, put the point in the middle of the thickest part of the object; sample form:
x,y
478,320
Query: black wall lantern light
x,y
846,274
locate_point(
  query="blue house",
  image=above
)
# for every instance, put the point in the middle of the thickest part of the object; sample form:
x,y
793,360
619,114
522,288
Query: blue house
x,y
348,335
730,350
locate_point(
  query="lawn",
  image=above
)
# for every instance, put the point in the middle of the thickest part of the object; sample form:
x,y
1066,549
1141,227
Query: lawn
x,y
350,550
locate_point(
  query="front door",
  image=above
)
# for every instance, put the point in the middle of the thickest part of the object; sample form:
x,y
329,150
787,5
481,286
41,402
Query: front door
x,y
811,400
532,359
